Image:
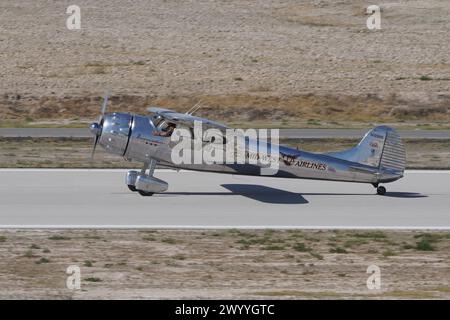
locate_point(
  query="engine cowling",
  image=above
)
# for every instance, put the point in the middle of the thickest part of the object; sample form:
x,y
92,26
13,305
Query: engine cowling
x,y
143,144
127,135
113,132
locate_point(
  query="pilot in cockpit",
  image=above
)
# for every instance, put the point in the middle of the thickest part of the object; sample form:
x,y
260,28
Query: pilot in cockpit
x,y
166,130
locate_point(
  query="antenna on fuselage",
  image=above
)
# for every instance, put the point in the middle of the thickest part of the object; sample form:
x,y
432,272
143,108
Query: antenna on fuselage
x,y
194,108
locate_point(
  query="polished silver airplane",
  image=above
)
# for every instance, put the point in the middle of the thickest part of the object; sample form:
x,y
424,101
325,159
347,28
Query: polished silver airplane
x,y
377,159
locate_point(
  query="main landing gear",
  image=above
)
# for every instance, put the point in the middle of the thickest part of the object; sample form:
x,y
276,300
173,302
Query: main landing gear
x,y
145,184
380,189
141,192
145,193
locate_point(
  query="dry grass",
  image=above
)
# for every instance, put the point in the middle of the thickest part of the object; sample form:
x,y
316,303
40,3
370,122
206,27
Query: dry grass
x,y
272,62
217,264
307,110
75,152
55,153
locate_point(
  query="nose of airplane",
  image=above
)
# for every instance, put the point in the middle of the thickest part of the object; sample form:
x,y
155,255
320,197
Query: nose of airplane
x,y
95,129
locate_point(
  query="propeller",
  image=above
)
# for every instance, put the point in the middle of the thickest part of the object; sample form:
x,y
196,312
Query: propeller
x,y
104,104
96,127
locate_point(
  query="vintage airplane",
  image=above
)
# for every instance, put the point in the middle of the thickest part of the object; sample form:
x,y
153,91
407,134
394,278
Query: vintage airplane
x,y
378,158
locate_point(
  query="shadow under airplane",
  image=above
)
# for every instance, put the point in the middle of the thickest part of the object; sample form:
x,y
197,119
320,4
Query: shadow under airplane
x,y
266,194
405,195
278,196
252,191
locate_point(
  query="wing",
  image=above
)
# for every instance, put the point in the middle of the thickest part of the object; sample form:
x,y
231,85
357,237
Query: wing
x,y
185,119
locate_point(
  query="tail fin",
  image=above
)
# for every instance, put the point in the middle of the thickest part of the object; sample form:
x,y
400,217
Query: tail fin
x,y
381,147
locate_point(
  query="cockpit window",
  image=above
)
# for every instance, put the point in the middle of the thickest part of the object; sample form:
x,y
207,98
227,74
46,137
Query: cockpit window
x,y
165,129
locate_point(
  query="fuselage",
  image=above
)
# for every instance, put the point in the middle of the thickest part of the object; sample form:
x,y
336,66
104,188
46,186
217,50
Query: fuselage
x,y
134,138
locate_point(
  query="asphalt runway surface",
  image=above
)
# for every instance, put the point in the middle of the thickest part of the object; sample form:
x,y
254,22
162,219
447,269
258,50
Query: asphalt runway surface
x,y
284,133
32,198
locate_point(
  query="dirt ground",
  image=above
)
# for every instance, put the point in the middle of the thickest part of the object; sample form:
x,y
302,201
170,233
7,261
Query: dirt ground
x,y
280,62
76,153
217,264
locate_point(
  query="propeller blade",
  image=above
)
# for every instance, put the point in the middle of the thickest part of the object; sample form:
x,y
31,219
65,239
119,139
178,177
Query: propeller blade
x,y
95,146
96,128
105,102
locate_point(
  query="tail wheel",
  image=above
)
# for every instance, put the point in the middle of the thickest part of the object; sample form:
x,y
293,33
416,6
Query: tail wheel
x,y
145,193
381,190
132,188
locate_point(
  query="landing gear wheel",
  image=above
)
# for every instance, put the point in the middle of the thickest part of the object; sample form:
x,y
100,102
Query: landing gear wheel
x,y
381,190
145,193
132,188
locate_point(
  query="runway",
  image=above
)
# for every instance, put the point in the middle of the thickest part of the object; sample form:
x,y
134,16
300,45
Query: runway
x,y
284,133
34,198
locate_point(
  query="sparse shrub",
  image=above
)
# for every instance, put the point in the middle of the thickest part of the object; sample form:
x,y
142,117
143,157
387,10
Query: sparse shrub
x,y
93,279
139,63
308,272
424,245
338,250
29,254
57,237
354,242
244,242
273,247
430,237
388,253
313,122
300,247
88,263
169,241
316,255
99,70
93,237
42,260
371,235
425,78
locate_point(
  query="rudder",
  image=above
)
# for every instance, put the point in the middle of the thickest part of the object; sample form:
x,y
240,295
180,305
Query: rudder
x,y
381,147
